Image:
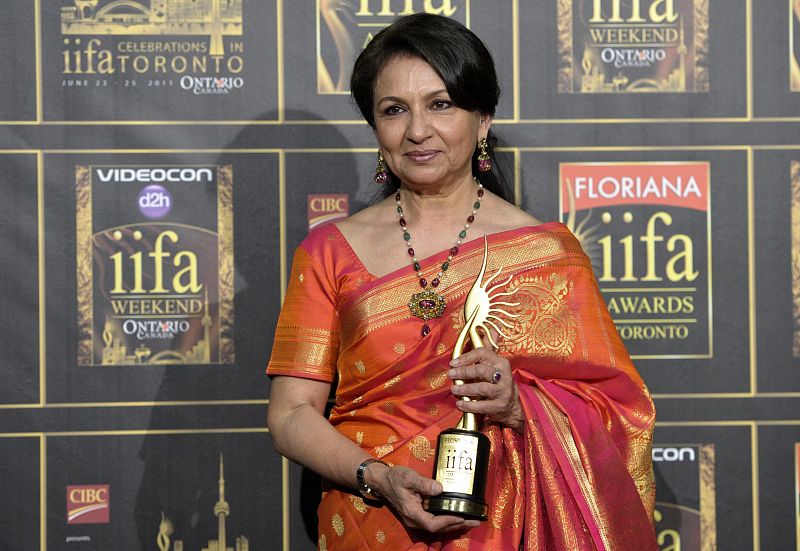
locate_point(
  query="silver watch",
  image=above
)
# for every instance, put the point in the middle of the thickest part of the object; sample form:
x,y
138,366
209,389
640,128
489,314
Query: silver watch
x,y
361,484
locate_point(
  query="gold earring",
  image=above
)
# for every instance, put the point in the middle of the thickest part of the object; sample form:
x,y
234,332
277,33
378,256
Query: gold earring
x,y
484,161
380,176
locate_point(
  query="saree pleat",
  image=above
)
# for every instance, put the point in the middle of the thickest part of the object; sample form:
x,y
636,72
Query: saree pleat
x,y
579,476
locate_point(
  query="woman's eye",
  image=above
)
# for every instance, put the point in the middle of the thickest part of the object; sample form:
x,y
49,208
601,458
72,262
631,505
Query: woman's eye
x,y
393,110
441,104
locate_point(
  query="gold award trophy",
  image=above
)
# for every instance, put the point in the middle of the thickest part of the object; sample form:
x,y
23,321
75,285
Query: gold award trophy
x,y
462,453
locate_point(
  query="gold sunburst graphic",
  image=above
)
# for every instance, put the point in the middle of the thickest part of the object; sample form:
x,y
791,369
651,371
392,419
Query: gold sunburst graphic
x,y
586,231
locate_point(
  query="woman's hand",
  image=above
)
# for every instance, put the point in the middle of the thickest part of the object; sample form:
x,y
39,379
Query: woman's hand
x,y
487,378
403,489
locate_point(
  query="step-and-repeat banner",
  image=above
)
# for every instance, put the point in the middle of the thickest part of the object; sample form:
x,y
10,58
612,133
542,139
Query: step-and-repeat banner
x,y
163,158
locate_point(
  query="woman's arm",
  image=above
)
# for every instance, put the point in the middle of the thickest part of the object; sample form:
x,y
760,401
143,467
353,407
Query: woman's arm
x,y
300,432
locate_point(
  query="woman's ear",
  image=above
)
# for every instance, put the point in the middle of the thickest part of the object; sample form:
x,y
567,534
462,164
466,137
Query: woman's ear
x,y
485,125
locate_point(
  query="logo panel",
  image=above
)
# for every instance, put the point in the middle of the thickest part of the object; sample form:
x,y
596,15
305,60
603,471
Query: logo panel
x,y
327,208
151,60
155,265
646,227
88,504
795,170
616,46
345,28
794,45
685,515
797,489
196,43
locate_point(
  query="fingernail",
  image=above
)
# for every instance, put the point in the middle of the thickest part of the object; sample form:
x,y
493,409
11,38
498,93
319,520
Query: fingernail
x,y
454,362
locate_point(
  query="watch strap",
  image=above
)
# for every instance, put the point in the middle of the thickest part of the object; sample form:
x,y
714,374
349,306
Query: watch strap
x,y
361,483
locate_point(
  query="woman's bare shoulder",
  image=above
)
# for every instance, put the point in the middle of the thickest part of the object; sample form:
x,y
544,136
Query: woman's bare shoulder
x,y
364,223
508,216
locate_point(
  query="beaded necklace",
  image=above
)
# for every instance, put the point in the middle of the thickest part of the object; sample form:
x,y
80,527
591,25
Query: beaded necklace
x,y
429,304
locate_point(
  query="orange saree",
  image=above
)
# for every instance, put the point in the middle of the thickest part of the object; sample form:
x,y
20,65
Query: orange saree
x,y
578,477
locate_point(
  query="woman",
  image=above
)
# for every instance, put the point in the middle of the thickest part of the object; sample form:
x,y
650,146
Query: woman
x,y
569,420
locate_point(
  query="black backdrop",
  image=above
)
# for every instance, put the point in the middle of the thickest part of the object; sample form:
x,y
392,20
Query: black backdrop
x,y
106,391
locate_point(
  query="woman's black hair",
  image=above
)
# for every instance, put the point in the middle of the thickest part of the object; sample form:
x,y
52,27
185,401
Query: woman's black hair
x,y
461,60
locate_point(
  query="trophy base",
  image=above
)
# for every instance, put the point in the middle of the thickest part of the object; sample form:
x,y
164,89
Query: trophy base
x,y
452,505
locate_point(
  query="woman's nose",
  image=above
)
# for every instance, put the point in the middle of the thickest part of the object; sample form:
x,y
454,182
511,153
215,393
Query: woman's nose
x,y
419,127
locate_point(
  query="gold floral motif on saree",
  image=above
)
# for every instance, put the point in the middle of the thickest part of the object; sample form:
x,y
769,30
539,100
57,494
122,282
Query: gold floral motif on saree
x,y
388,407
323,543
338,524
380,536
441,348
361,367
399,348
546,325
387,448
358,504
457,318
360,437
432,410
421,448
436,379
391,382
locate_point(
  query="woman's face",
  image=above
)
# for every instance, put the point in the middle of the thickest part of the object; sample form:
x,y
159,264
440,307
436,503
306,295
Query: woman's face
x,y
426,140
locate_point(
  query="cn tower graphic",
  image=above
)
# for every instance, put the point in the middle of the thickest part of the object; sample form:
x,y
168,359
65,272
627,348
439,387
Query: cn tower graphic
x,y
221,509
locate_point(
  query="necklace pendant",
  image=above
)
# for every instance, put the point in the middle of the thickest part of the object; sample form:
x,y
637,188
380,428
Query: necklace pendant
x,y
427,305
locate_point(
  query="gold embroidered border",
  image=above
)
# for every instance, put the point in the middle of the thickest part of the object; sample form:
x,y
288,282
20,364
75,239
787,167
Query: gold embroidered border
x,y
639,463
545,325
562,430
83,230
225,257
304,349
565,57
708,500
701,20
388,303
795,225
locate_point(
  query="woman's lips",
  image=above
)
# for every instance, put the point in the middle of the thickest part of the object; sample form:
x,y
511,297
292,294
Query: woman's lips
x,y
422,156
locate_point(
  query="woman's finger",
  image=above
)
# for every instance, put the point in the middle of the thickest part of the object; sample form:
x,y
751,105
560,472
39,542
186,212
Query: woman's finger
x,y
487,342
423,486
482,407
439,523
479,390
481,372
475,356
